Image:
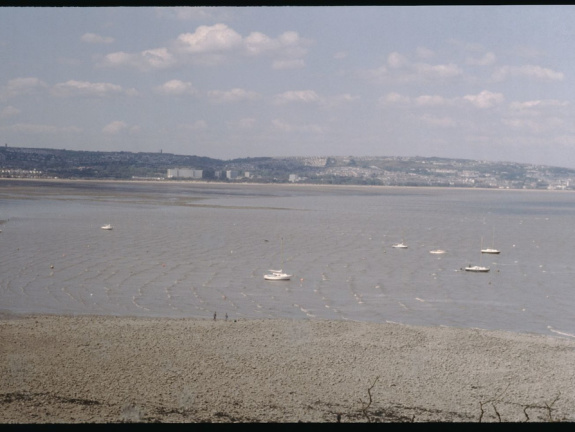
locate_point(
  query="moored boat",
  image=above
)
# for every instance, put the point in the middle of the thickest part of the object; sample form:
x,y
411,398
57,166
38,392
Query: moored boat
x,y
277,275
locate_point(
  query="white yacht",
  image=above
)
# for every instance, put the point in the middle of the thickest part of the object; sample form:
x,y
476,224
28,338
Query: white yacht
x,y
477,269
491,250
277,275
107,227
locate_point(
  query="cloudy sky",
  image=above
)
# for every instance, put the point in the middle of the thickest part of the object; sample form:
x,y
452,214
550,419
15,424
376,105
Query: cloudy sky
x,y
484,82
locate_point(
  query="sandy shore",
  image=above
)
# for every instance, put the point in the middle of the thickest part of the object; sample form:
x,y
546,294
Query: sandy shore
x,y
107,369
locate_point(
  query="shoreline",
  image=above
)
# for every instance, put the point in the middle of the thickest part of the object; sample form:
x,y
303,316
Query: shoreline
x,y
106,369
296,185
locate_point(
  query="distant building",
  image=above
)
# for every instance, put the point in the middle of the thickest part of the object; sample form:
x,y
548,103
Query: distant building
x,y
185,173
232,175
293,178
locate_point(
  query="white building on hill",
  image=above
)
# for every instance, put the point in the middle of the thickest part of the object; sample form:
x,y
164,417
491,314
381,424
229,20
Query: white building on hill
x,y
185,173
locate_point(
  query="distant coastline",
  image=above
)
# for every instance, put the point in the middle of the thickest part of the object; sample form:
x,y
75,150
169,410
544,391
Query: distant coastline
x,y
16,162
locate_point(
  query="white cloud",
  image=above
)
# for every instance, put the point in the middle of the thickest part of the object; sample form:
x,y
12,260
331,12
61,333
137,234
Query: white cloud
x,y
218,37
534,125
84,88
257,43
22,86
436,121
215,44
338,100
234,95
159,58
427,71
115,127
396,60
486,60
9,111
305,96
529,71
119,58
394,99
430,100
485,99
400,70
287,49
520,106
94,38
340,55
176,88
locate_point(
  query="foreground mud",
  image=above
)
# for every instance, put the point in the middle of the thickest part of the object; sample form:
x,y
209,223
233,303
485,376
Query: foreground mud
x,y
107,369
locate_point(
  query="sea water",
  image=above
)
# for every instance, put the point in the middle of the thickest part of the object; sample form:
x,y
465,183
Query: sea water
x,y
192,250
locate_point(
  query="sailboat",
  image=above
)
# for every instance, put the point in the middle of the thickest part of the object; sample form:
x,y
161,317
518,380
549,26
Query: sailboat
x,y
478,268
278,275
401,245
491,250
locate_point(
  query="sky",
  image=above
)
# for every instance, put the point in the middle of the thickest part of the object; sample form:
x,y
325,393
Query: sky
x,y
493,83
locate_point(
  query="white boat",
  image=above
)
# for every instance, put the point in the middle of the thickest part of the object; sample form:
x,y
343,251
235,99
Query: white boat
x,y
491,250
476,268
107,227
277,275
400,245
437,251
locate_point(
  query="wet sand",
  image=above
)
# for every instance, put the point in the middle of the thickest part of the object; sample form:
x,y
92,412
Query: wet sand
x,y
99,369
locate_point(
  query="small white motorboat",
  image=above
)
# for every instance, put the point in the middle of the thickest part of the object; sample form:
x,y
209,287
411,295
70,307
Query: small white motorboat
x,y
490,251
107,227
277,275
477,269
437,251
400,246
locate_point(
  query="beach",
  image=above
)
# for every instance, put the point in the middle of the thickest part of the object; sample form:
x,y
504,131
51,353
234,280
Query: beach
x,y
105,369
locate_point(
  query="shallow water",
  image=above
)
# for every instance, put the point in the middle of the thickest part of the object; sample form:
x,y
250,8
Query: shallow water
x,y
189,250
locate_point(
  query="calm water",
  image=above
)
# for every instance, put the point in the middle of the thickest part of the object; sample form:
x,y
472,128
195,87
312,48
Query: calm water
x,y
185,250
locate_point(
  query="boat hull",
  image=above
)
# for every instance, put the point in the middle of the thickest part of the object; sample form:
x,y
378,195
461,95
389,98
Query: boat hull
x,y
274,277
490,251
477,269
399,246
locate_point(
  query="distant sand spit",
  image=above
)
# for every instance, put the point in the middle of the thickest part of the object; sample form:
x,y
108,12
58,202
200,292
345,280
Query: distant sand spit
x,y
113,369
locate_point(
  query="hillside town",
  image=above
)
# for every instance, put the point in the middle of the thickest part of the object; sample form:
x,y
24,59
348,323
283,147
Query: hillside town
x,y
18,162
